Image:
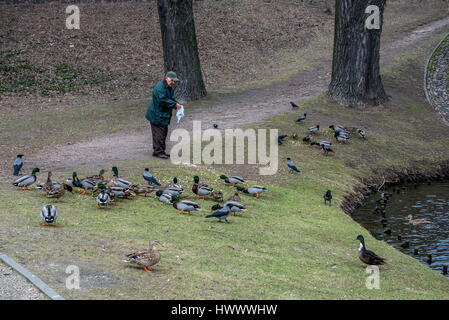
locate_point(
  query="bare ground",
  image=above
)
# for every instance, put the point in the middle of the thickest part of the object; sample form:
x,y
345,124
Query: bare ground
x,y
232,110
15,287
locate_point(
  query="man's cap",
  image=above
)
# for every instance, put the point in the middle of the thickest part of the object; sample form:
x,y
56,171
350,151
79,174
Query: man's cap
x,y
172,75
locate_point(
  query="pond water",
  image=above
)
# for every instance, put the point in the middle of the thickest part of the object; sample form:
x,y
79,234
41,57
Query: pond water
x,y
422,201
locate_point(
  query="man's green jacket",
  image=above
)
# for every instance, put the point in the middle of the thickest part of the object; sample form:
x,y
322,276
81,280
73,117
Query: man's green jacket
x,y
162,103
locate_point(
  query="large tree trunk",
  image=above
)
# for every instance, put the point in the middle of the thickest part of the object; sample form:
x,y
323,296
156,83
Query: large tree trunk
x,y
355,68
180,48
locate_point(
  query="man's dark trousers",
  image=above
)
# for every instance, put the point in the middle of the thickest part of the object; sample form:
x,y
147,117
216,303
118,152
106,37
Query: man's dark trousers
x,y
159,134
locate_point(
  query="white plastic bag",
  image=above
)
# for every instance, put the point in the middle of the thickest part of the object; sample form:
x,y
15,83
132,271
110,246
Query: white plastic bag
x,y
180,113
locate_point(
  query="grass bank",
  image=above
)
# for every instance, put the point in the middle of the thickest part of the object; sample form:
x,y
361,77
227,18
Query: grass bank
x,y
288,245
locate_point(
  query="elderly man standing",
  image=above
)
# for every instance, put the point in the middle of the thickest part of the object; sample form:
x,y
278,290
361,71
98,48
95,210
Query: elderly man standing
x,y
160,111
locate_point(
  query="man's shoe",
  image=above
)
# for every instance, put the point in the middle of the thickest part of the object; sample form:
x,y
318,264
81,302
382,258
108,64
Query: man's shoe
x,y
161,155
167,154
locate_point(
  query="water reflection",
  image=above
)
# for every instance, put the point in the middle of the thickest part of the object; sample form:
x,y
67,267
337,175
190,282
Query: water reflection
x,y
429,202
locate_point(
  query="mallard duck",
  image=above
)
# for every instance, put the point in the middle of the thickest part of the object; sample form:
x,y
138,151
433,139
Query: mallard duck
x,y
176,185
234,180
321,144
291,167
254,190
314,130
27,180
362,133
97,178
149,177
217,195
17,165
120,192
221,214
327,197
234,207
341,139
144,189
53,189
173,190
49,215
84,184
367,256
416,221
164,197
344,134
308,139
302,118
103,198
146,257
58,190
48,185
200,190
337,127
184,205
116,181
111,194
235,197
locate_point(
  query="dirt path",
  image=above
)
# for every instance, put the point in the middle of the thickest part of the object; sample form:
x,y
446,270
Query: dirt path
x,y
231,111
14,287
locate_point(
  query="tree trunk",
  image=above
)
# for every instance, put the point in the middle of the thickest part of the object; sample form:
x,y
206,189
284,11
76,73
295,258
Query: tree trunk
x,y
180,48
355,68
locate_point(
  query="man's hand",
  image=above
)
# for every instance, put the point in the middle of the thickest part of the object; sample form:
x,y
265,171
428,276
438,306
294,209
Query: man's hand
x,y
178,106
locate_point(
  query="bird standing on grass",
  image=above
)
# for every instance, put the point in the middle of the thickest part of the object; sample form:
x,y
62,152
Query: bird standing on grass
x,y
103,198
202,190
184,205
281,138
302,118
338,128
314,130
27,180
116,181
233,205
341,138
308,139
49,215
17,165
367,256
362,133
85,184
326,148
291,167
235,197
164,197
321,144
327,197
146,257
149,177
233,179
254,190
222,214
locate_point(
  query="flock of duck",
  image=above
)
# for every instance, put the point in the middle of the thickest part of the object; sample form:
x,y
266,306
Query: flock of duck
x,y
341,135
107,192
117,187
